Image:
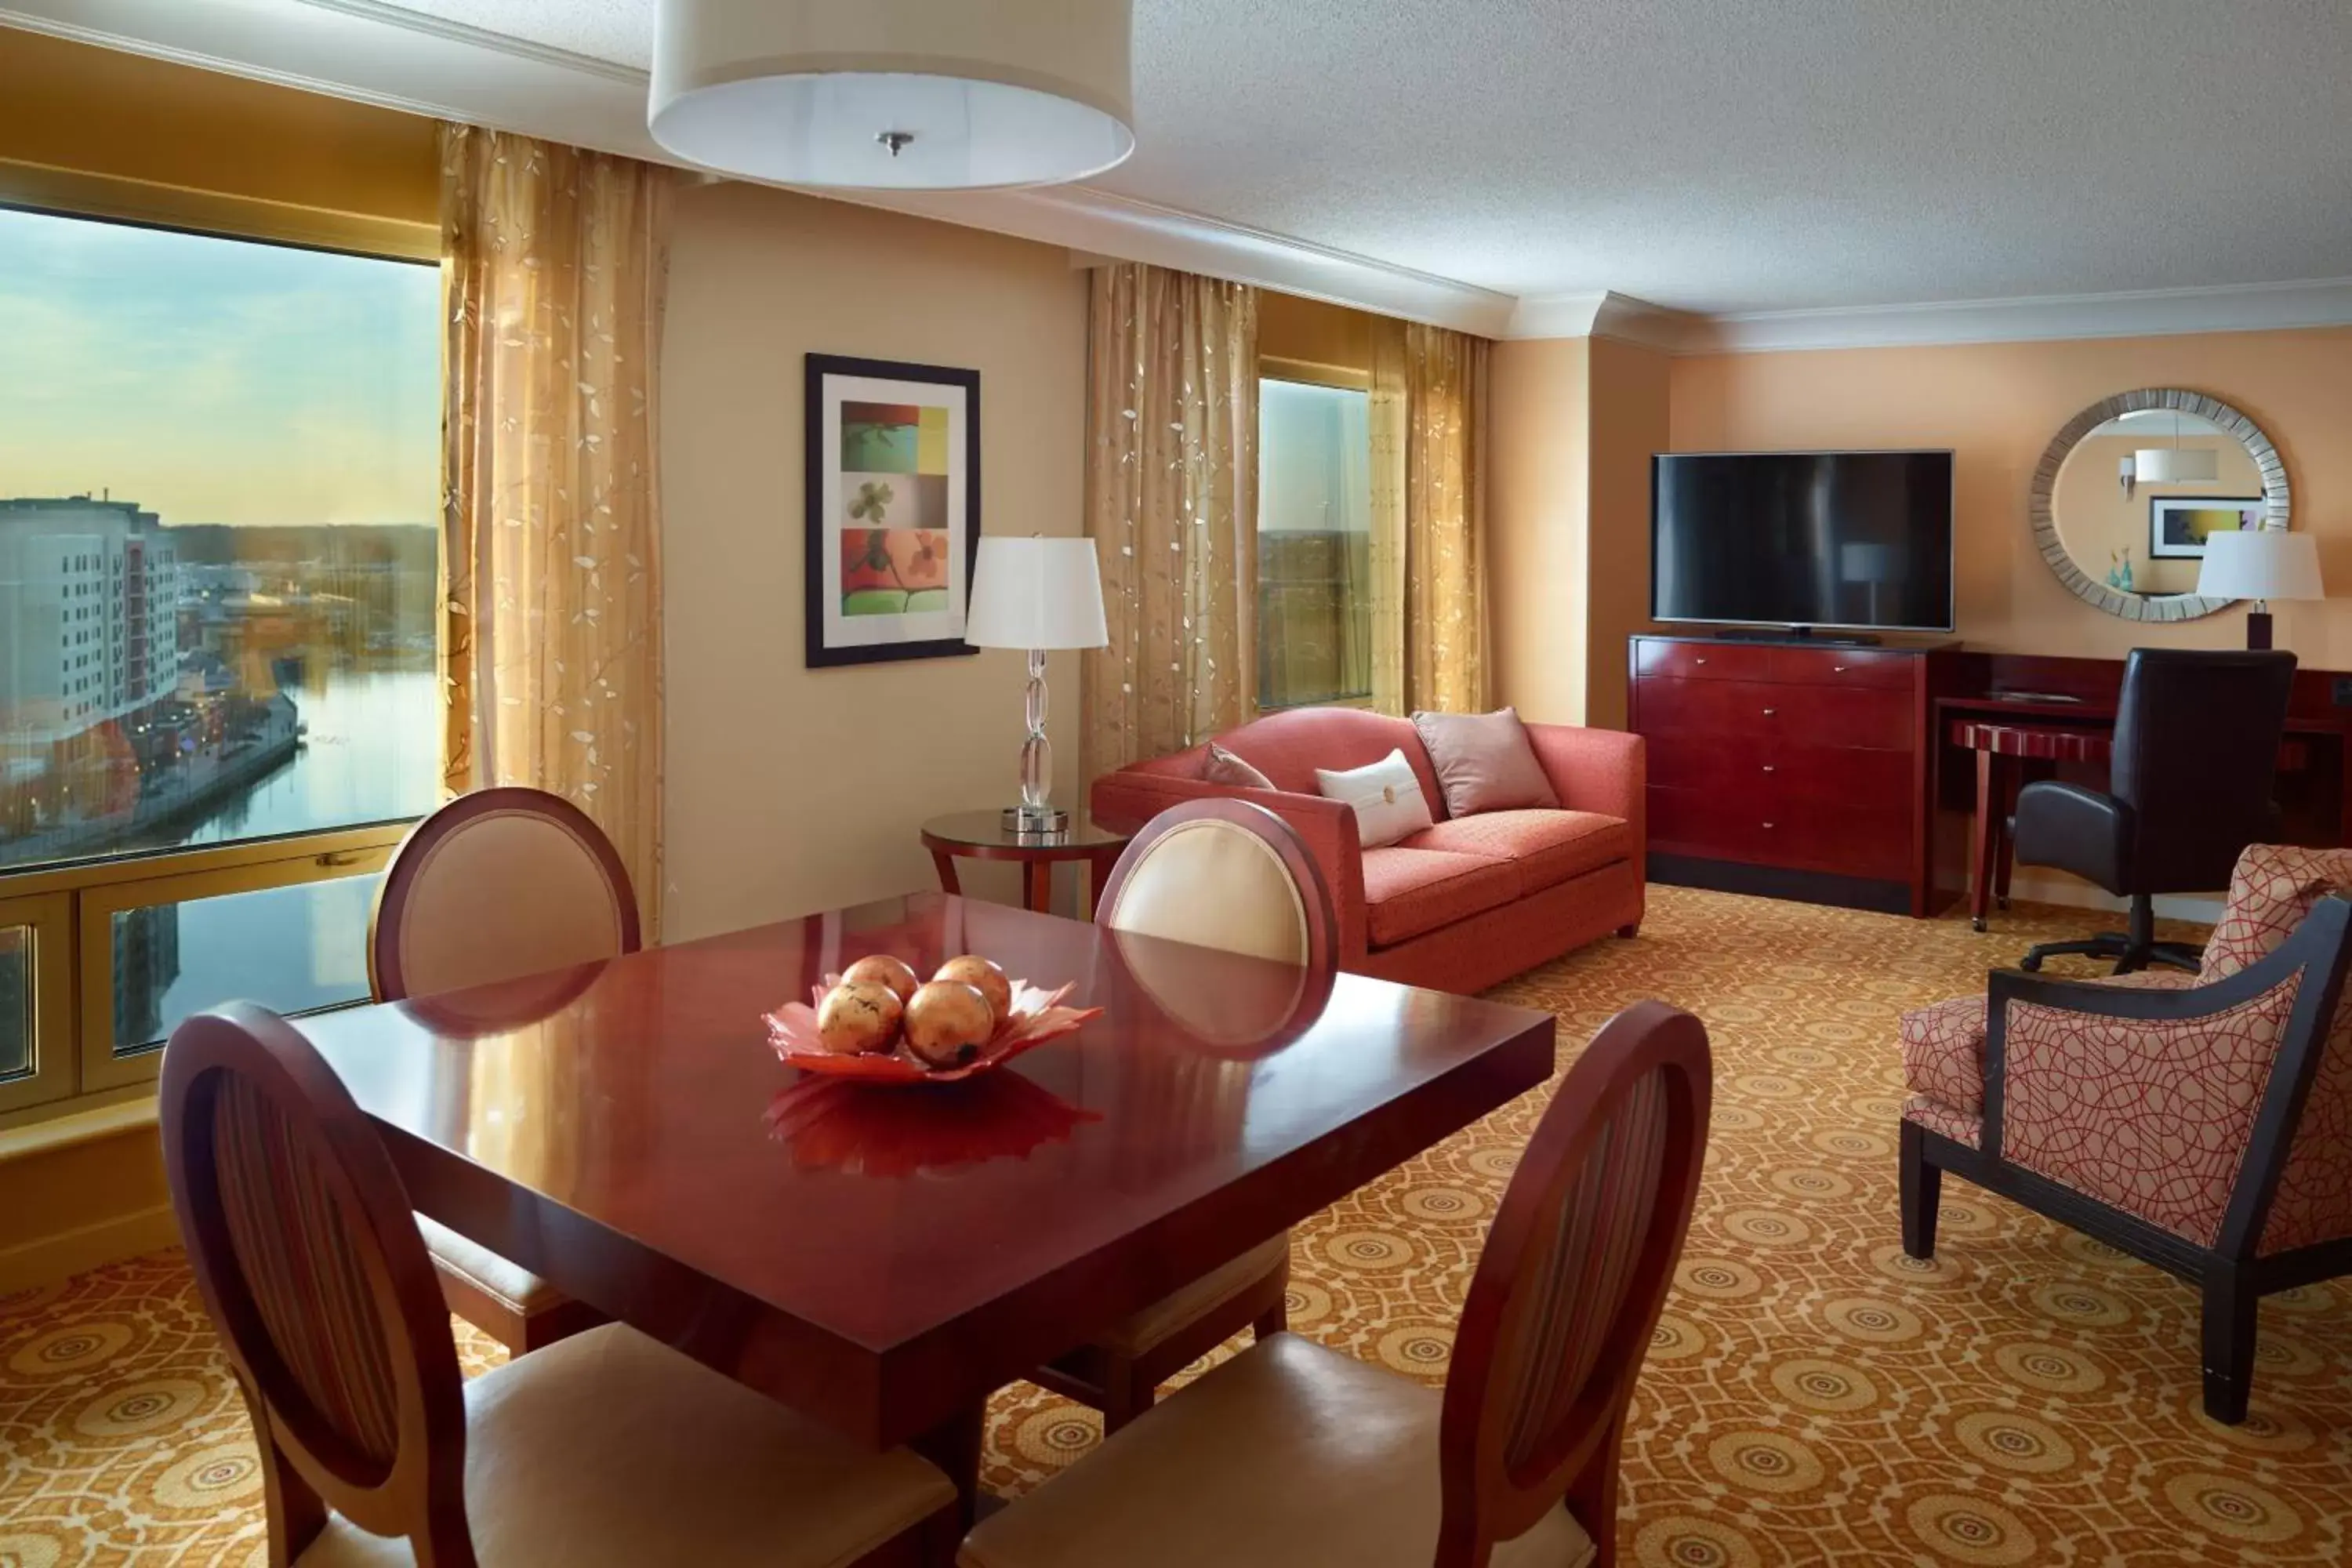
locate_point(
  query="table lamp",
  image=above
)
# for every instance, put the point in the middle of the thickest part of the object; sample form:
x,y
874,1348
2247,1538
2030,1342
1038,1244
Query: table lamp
x,y
1037,594
2260,564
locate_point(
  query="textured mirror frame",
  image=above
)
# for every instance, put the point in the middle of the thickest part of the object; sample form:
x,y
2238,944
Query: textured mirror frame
x,y
2090,590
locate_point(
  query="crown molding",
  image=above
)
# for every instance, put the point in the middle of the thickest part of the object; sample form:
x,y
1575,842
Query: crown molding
x,y
2152,312
377,53
1604,314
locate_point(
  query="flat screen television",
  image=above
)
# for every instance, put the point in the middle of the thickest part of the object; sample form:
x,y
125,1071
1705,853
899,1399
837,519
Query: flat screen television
x,y
1845,539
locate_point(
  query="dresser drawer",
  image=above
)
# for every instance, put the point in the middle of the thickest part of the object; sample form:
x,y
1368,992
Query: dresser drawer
x,y
1834,717
1841,666
1702,661
1775,825
1714,709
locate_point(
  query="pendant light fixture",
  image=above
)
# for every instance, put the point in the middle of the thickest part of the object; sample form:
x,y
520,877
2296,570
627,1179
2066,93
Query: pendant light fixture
x,y
895,94
2177,464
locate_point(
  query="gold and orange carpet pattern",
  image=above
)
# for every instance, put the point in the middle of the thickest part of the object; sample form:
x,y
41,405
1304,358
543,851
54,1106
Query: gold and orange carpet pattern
x,y
1811,1397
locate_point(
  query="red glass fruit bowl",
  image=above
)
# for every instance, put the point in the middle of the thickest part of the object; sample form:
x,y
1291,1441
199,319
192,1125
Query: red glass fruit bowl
x,y
1036,1018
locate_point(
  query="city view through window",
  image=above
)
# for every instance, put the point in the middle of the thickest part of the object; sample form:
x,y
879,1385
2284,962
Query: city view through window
x,y
218,557
1314,544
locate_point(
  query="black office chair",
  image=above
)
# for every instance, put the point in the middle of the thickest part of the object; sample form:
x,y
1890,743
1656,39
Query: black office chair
x,y
2196,754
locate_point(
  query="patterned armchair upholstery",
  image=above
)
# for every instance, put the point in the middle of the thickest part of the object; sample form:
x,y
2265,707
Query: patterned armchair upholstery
x,y
2202,1122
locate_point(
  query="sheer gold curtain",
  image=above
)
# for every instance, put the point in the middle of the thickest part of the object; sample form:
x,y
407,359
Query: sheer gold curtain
x,y
1171,503
1429,521
553,266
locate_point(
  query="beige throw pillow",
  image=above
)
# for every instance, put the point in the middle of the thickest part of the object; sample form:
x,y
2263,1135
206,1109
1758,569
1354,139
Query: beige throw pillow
x,y
1387,797
1484,761
1219,766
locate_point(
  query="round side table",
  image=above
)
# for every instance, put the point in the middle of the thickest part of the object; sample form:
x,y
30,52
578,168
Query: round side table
x,y
982,835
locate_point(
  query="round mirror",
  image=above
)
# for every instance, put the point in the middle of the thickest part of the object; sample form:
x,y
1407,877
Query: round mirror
x,y
2130,489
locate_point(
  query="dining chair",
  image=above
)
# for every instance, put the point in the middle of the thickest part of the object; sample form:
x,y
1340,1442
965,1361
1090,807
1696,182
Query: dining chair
x,y
1291,1452
1228,875
499,885
607,1449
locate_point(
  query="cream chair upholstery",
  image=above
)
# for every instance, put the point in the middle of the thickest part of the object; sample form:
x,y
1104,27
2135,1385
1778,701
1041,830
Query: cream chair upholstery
x,y
611,1450
605,1450
1231,876
1291,1454
1212,883
497,885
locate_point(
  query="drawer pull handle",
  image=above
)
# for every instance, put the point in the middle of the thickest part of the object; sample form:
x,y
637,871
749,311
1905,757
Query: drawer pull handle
x,y
1700,660
1769,711
1837,669
1768,767
1768,825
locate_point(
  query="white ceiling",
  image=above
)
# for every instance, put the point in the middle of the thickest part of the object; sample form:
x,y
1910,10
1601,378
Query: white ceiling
x,y
1725,156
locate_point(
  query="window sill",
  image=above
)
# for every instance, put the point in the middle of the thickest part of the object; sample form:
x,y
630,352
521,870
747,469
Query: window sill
x,y
84,1125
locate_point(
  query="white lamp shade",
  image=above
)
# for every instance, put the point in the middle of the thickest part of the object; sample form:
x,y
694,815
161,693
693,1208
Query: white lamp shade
x,y
2176,465
1035,592
973,93
2260,563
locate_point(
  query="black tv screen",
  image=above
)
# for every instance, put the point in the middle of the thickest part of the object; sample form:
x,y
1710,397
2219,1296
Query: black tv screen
x,y
1802,538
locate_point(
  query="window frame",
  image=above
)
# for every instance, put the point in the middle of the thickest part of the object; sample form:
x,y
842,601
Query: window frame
x,y
1304,373
76,1070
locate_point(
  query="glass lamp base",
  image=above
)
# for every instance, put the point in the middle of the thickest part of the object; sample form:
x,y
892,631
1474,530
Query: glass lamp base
x,y
1036,819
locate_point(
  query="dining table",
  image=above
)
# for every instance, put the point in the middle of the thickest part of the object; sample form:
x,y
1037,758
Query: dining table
x,y
882,1258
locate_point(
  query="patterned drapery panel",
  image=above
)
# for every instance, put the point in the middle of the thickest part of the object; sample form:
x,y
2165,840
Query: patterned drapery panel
x,y
1429,522
553,269
1445,520
1171,504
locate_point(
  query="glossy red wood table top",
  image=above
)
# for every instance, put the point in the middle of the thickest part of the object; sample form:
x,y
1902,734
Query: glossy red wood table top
x,y
879,1256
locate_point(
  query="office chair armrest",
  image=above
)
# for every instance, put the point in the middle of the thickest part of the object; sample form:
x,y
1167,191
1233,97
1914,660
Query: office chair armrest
x,y
2074,829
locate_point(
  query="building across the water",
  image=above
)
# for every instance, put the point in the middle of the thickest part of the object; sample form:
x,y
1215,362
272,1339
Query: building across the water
x,y
88,617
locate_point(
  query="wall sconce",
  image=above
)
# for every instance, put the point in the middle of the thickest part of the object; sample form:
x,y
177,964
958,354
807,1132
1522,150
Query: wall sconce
x,y
2127,475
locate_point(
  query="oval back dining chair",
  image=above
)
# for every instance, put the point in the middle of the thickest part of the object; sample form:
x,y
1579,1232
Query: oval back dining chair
x,y
502,884
496,884
1231,875
1225,874
311,1267
1291,1452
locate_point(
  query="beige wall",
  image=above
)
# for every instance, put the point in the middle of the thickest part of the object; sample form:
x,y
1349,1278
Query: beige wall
x,y
2096,518
1538,586
1997,406
791,789
1573,425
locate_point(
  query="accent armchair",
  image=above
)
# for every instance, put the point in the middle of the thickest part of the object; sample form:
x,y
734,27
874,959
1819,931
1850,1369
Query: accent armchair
x,y
2203,1124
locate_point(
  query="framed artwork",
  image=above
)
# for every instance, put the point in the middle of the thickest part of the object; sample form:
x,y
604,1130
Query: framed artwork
x,y
2177,525
893,509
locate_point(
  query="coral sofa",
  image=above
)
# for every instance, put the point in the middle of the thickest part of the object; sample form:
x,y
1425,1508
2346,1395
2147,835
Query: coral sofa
x,y
1460,905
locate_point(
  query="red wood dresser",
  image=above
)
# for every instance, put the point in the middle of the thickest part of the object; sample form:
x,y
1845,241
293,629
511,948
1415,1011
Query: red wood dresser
x,y
1795,769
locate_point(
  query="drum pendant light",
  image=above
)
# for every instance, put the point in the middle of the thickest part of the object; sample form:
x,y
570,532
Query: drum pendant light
x,y
895,94
2177,464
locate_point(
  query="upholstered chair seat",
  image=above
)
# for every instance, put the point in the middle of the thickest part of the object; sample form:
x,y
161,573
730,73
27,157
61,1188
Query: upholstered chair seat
x,y
499,886
1291,1454
1234,877
611,1450
606,1450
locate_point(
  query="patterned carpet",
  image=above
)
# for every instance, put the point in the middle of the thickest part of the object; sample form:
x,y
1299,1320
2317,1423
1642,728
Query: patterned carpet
x,y
1811,1396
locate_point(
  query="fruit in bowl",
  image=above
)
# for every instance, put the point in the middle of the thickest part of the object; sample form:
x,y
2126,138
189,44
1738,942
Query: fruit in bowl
x,y
857,1016
948,1021
884,969
983,976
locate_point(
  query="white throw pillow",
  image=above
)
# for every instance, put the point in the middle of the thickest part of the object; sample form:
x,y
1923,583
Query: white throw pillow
x,y
1387,797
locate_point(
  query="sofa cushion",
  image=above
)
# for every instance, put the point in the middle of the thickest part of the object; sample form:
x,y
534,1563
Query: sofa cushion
x,y
1387,799
1409,892
1548,846
1289,746
1484,761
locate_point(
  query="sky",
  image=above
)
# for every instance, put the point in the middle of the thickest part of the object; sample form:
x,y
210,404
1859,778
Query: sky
x,y
216,380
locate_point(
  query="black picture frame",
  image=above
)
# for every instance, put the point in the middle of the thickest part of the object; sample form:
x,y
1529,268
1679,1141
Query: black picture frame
x,y
2162,543
823,460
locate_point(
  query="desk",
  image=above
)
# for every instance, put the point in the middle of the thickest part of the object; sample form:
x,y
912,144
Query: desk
x,y
2004,747
619,1134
